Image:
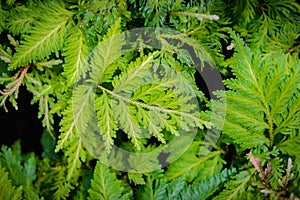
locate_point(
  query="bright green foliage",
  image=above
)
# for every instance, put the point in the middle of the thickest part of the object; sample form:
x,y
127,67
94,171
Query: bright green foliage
x,y
76,46
7,191
105,185
100,84
264,97
193,166
235,188
206,188
18,172
40,45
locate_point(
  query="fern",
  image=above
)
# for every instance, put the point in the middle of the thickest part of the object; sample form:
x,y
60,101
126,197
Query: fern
x,y
191,165
141,101
21,172
291,147
167,110
107,51
7,190
155,187
3,15
22,18
71,141
235,188
263,94
132,99
206,188
75,52
45,38
105,185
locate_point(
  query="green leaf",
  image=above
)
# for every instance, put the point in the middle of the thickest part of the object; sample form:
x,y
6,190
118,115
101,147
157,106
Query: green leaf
x,y
236,187
191,166
291,146
206,188
3,15
136,178
76,54
7,190
46,37
105,185
261,97
107,122
106,52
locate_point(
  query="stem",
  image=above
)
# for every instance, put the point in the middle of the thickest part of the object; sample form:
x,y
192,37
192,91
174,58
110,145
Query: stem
x,y
198,15
149,107
18,83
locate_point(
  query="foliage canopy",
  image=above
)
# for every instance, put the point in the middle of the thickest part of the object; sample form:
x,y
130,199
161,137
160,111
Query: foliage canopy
x,y
84,64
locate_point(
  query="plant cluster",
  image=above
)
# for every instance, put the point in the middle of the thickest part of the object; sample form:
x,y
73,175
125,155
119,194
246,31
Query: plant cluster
x,y
109,88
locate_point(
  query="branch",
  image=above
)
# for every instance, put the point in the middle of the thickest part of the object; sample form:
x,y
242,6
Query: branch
x,y
18,81
150,107
197,15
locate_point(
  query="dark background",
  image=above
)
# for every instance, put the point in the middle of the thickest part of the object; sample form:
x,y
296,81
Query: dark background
x,y
21,124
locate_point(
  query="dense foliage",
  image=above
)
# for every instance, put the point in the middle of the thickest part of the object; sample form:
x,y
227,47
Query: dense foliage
x,y
111,89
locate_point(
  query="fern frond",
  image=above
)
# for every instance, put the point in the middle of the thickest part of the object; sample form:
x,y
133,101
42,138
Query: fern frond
x,y
136,72
105,185
76,155
283,41
62,188
261,98
11,160
22,18
174,188
46,37
21,170
107,123
236,187
291,146
107,51
67,132
3,18
7,190
191,166
207,187
185,49
155,187
48,118
245,11
136,178
70,140
232,128
136,108
286,106
53,184
76,55
77,115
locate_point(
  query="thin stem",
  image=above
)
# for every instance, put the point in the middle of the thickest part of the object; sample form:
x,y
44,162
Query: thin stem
x,y
198,15
149,107
18,83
